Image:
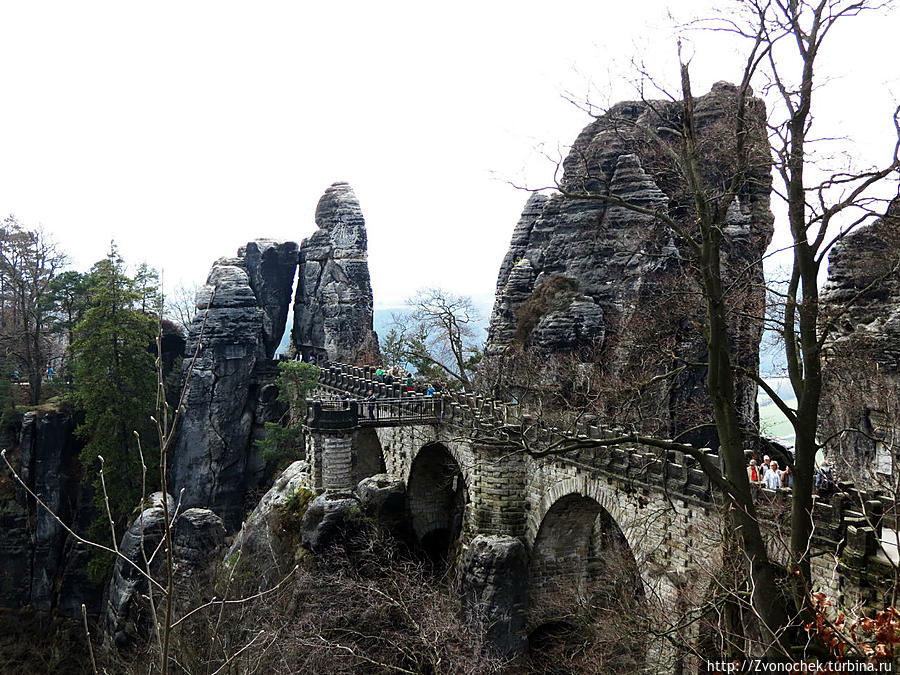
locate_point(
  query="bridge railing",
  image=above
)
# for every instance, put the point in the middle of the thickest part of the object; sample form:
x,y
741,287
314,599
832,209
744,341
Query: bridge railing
x,y
341,414
849,521
410,409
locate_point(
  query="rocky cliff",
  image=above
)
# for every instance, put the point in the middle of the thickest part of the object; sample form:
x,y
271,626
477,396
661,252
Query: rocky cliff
x,y
860,305
40,566
271,266
230,383
597,297
198,536
333,304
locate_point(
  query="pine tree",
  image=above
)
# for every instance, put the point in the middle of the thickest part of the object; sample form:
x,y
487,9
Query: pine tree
x,y
115,386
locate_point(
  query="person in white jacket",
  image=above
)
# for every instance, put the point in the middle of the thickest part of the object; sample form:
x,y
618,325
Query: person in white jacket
x,y
772,479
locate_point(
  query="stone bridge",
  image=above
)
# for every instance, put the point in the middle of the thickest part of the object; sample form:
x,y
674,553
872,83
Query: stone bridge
x,y
527,531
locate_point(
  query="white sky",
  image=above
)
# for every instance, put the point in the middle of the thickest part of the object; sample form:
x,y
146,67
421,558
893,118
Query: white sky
x,y
184,129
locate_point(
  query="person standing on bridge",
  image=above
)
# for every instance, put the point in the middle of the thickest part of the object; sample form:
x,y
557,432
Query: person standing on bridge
x,y
753,472
772,478
371,399
379,374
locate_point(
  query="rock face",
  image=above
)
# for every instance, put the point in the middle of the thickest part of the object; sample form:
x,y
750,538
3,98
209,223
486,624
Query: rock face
x,y
39,565
197,536
594,290
492,569
262,542
271,266
333,305
214,461
861,370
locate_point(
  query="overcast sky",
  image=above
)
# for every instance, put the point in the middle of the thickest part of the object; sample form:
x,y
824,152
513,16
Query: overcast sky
x,y
184,129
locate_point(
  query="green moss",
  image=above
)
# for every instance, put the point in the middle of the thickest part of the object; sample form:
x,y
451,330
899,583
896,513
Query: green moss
x,y
298,501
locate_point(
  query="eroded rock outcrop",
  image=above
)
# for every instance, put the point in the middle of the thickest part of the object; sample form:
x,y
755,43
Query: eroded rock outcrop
x,y
591,282
198,536
41,565
263,543
214,460
492,591
271,266
333,305
860,304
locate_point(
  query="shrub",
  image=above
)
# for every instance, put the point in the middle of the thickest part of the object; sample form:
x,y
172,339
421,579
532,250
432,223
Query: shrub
x,y
553,295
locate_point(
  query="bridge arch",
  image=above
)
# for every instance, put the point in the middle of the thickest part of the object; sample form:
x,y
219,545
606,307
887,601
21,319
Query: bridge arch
x,y
583,577
437,493
577,543
598,491
369,457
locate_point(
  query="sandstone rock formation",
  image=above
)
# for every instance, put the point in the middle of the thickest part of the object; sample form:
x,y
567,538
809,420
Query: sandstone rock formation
x,y
590,283
262,543
214,461
197,536
40,565
491,572
271,266
333,304
861,305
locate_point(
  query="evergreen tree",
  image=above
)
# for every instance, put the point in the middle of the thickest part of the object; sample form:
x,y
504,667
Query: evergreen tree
x,y
115,386
68,300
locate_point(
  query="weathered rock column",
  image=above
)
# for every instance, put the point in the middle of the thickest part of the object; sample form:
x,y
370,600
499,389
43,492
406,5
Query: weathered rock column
x,y
493,571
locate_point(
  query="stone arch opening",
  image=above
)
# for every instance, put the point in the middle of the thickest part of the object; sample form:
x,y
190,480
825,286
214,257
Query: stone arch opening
x,y
437,500
583,581
368,459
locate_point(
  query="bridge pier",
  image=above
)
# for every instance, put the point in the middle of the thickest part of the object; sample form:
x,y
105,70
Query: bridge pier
x,y
498,491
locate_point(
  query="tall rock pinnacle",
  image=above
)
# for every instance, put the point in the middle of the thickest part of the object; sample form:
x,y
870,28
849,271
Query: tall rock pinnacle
x,y
214,460
607,295
333,304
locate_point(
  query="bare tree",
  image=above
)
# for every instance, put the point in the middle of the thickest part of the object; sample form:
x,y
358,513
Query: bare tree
x,y
29,260
180,305
439,336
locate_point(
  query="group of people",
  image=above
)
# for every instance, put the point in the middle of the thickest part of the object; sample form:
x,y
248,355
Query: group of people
x,y
773,477
769,474
46,374
395,374
398,374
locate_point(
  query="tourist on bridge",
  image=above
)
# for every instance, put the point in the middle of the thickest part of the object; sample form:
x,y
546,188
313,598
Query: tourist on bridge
x,y
787,478
753,472
825,485
346,398
410,386
429,391
765,465
371,399
379,374
772,478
